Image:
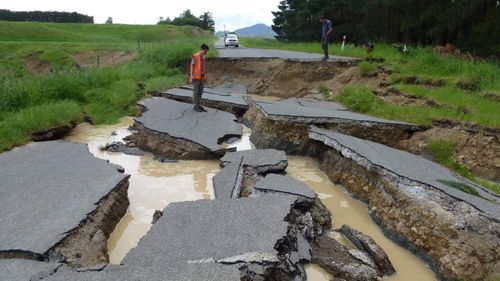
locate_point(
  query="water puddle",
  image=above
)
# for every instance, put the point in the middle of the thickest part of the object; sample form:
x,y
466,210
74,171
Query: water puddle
x,y
153,185
346,210
242,144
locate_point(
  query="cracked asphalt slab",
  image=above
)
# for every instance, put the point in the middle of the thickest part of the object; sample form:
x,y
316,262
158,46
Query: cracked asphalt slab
x,y
206,231
284,184
225,89
46,190
260,160
187,95
202,240
227,183
178,120
154,272
311,112
409,166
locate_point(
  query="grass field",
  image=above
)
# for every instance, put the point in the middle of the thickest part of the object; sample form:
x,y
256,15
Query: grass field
x,y
469,90
30,103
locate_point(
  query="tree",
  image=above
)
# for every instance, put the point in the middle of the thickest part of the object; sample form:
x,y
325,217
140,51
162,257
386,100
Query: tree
x,y
471,25
204,21
109,20
39,16
207,22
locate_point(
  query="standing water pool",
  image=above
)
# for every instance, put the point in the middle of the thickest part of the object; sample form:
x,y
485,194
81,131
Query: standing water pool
x,y
153,185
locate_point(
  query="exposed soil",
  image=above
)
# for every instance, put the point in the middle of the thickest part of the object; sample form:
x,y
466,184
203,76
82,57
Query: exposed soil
x,y
395,96
86,246
93,59
274,77
477,148
53,133
35,65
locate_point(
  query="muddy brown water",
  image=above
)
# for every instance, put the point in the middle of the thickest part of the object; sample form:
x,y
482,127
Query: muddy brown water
x,y
153,185
346,210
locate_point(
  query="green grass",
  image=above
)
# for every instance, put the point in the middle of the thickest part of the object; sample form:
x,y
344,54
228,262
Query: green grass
x,y
366,68
29,103
73,32
442,152
16,127
458,104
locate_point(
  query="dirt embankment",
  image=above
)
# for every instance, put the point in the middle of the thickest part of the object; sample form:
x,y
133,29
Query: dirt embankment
x,y
476,147
37,66
274,77
93,59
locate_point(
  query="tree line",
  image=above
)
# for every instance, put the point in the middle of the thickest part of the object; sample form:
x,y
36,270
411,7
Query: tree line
x,y
204,21
40,16
472,25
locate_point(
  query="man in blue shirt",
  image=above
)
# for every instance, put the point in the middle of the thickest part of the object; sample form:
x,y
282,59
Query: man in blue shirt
x,y
326,32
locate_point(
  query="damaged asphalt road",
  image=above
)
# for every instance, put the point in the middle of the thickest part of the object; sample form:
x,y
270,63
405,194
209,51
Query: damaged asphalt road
x,y
47,190
174,130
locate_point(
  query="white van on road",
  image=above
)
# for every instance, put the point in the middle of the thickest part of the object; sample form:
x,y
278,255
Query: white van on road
x,y
231,39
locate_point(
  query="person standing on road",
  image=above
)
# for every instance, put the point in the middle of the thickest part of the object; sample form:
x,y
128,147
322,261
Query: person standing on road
x,y
326,32
198,76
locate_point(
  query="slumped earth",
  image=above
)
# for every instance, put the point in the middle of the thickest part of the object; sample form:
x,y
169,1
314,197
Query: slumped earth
x,y
153,185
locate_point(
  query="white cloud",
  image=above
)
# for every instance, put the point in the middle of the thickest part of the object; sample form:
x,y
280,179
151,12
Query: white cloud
x,y
234,14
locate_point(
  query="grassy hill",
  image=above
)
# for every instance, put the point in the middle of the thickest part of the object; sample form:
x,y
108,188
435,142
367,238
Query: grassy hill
x,y
73,32
55,74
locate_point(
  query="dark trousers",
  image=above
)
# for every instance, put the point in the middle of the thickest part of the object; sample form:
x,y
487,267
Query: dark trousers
x,y
197,92
324,46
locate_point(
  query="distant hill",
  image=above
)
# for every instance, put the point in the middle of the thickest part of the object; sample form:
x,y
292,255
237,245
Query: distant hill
x,y
258,30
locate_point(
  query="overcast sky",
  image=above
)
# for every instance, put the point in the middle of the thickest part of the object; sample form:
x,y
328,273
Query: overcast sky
x,y
232,13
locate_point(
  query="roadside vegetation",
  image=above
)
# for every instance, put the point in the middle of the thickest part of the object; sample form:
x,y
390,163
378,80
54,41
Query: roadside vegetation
x,y
69,93
463,90
442,152
457,89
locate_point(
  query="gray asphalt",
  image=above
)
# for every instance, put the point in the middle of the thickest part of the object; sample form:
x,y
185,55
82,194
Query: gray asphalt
x,y
25,270
180,121
243,52
47,189
203,232
412,167
284,184
260,160
174,271
187,95
227,183
225,89
202,240
313,112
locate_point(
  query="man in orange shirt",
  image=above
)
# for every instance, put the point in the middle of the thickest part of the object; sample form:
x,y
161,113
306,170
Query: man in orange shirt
x,y
197,76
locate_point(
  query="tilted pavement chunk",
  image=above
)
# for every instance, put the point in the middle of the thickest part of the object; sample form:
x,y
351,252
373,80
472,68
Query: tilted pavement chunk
x,y
284,184
202,240
173,129
227,183
225,89
313,112
260,161
409,166
186,95
366,244
47,189
212,231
